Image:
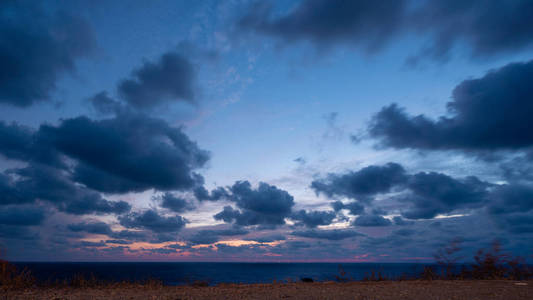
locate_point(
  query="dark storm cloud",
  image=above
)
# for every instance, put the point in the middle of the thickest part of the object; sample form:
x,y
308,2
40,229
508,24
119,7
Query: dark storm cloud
x,y
130,152
175,204
266,205
153,221
423,195
104,104
18,142
296,245
83,244
489,113
486,27
130,235
96,205
333,234
91,227
368,24
213,236
127,153
436,193
38,182
170,78
313,219
404,232
21,215
201,194
369,220
10,195
198,239
228,214
399,221
15,232
519,223
512,198
362,184
354,208
337,205
518,169
36,49
162,237
15,141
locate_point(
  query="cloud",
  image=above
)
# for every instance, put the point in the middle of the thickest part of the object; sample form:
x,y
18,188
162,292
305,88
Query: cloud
x,y
366,24
38,182
512,198
487,28
119,242
355,208
314,218
268,238
399,221
15,232
130,235
9,193
300,160
363,184
91,227
489,113
228,214
436,193
104,104
15,141
369,220
518,223
213,236
404,232
36,49
333,234
127,153
266,205
423,195
175,204
19,142
170,78
21,215
151,220
83,244
202,194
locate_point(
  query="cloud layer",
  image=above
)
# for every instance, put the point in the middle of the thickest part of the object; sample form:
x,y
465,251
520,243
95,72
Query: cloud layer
x,y
488,28
488,113
37,49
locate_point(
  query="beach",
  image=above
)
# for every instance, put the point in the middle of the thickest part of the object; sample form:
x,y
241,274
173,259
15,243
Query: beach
x,y
384,290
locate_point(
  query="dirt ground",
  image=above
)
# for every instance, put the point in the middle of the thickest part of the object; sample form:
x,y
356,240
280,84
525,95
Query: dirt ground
x,y
412,290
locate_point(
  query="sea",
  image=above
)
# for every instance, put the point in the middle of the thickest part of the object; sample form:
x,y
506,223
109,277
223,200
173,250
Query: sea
x,y
183,273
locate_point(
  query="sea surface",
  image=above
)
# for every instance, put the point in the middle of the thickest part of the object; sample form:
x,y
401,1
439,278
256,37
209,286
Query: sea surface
x,y
179,273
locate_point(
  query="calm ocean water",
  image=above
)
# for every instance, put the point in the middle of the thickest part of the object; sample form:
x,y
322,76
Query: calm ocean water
x,y
182,273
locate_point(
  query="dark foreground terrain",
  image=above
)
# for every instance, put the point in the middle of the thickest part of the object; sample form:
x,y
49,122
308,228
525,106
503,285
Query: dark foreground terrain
x,y
397,290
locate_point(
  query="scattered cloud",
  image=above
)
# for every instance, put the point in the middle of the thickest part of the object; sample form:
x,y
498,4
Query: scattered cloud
x,y
36,49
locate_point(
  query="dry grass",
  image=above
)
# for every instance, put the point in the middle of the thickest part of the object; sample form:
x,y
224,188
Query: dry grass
x,y
11,278
384,290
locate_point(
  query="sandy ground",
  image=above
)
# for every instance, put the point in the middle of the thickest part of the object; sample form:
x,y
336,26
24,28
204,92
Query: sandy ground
x,y
423,290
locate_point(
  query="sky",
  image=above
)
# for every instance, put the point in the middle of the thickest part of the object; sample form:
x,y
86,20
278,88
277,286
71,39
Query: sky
x,y
265,131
